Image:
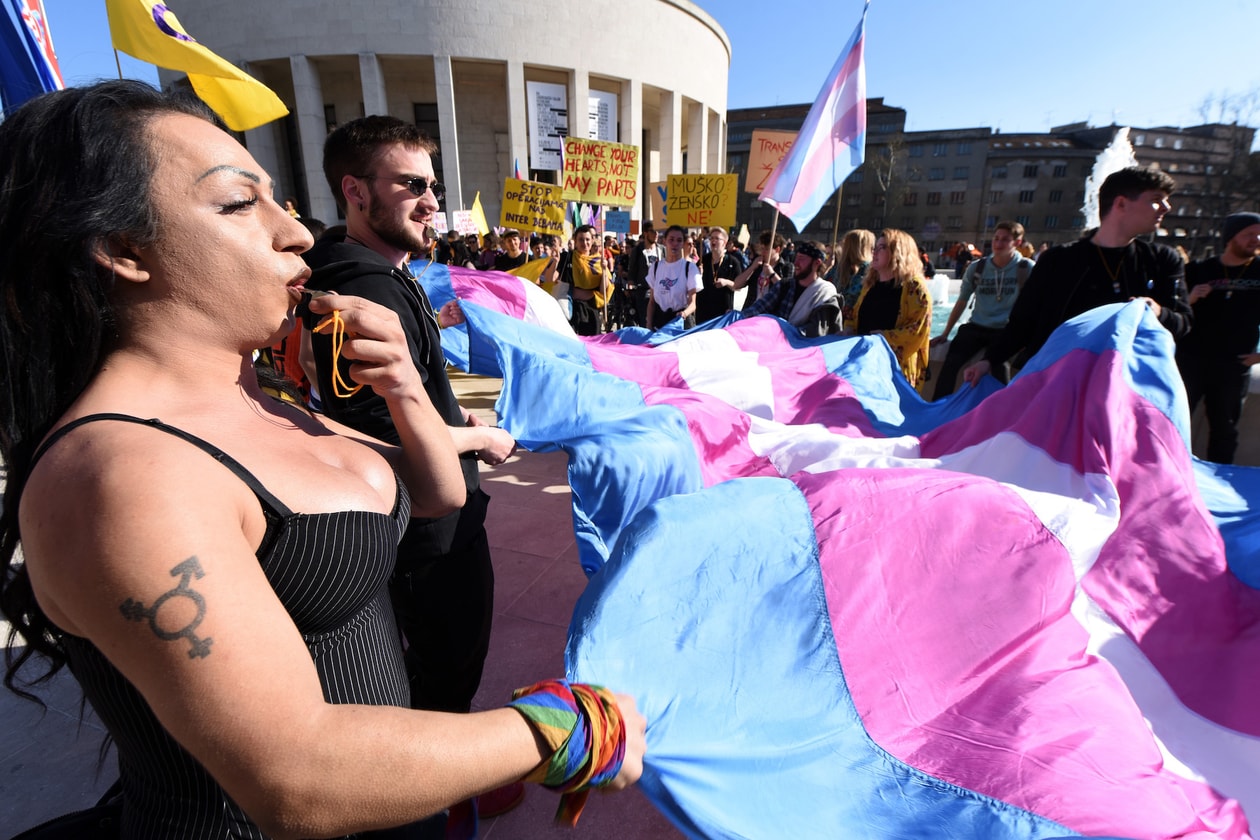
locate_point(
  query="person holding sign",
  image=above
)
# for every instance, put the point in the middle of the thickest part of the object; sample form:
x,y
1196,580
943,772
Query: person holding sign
x,y
586,272
805,300
673,283
760,272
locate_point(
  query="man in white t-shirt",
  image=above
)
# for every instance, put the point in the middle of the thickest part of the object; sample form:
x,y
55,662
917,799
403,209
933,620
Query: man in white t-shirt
x,y
672,284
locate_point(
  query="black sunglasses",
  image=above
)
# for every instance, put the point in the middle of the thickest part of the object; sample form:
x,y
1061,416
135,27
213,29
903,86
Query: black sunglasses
x,y
416,186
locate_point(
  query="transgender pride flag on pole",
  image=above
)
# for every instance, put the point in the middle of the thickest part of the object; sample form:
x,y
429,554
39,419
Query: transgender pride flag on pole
x,y
831,143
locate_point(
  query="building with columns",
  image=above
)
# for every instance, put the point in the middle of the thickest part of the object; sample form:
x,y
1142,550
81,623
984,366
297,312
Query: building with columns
x,y
466,71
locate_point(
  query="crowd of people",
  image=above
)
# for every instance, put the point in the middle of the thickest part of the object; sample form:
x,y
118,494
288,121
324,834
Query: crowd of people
x,y
332,566
1012,295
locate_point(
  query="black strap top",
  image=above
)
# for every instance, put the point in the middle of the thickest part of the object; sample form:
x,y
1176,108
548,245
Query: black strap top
x,y
329,570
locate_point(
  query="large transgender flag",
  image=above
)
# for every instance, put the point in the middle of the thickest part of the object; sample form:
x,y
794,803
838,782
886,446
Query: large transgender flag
x,y
847,613
831,143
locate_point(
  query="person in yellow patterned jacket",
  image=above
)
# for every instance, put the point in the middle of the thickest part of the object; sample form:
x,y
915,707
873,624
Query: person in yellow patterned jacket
x,y
895,303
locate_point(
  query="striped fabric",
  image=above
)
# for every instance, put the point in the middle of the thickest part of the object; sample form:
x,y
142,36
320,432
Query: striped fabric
x,y
1017,612
351,636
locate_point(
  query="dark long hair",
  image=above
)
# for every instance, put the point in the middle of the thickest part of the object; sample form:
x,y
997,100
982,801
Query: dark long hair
x,y
75,173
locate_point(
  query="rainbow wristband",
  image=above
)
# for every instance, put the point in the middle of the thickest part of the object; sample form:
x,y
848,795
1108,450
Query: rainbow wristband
x,y
581,725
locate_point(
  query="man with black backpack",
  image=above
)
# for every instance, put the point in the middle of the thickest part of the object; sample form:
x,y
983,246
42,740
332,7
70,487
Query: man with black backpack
x,y
995,282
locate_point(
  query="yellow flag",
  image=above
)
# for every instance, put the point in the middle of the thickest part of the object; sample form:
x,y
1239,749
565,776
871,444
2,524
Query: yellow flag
x,y
479,215
531,270
149,31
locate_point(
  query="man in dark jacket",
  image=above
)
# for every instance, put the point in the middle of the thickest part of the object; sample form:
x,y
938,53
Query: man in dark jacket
x,y
1111,266
1215,359
380,170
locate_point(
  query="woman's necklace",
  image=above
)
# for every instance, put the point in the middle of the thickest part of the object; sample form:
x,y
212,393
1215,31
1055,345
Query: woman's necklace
x,y
1116,275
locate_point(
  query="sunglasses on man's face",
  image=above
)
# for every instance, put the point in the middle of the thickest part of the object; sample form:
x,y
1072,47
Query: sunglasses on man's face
x,y
416,186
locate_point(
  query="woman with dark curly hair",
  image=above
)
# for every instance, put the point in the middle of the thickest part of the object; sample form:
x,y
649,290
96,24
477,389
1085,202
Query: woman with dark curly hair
x,y
215,578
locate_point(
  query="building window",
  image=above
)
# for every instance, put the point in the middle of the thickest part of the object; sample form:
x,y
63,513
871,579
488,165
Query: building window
x,y
856,177
1026,196
1060,170
933,199
962,173
330,118
990,222
878,222
954,223
879,200
1052,222
995,197
1177,143
852,200
964,148
958,197
914,174
1139,140
910,199
916,150
1078,221
907,223
1159,142
940,149
1024,220
1056,196
936,173
999,172
1030,170
1080,197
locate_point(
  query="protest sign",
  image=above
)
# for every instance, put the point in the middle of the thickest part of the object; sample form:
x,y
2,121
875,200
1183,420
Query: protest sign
x,y
531,206
548,111
702,200
439,222
767,149
463,222
617,221
656,196
601,173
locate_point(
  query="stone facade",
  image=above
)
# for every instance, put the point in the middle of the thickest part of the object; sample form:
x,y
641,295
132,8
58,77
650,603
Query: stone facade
x,y
460,70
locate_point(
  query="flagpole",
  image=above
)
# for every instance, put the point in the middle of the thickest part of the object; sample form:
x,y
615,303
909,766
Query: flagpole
x,y
835,226
118,64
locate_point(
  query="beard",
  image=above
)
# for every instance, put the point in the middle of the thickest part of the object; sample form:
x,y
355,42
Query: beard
x,y
395,231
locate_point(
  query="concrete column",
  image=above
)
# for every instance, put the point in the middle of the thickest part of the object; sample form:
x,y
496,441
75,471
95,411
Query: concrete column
x,y
518,122
631,120
373,82
671,134
309,114
697,139
579,103
444,83
717,142
262,143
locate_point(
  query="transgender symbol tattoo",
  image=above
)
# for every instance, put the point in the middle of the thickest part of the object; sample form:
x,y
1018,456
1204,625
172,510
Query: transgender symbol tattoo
x,y
137,611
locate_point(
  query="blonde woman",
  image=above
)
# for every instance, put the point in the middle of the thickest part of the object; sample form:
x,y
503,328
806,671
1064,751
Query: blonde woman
x,y
849,269
895,302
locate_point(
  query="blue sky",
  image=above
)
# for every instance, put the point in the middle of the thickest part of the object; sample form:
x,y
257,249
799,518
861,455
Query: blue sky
x,y
1016,66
